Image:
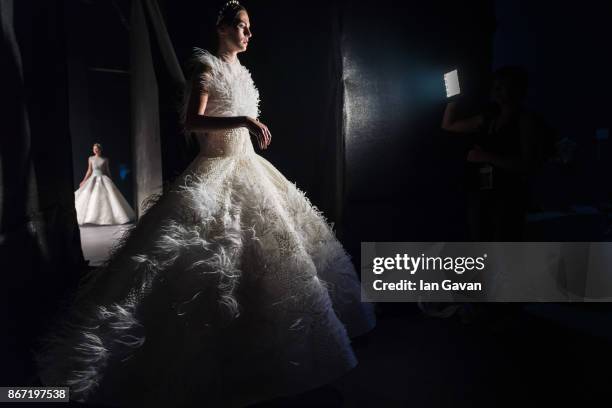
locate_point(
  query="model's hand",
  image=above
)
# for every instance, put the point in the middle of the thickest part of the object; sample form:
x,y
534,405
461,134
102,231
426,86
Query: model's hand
x,y
260,131
477,155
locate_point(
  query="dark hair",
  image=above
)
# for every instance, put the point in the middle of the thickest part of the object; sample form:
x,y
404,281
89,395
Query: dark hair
x,y
515,78
228,12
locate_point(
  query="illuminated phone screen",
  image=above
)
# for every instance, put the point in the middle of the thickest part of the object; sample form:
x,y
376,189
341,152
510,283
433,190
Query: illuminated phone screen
x,y
451,81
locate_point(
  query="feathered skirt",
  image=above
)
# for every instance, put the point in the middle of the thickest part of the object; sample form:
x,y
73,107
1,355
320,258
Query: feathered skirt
x,y
231,289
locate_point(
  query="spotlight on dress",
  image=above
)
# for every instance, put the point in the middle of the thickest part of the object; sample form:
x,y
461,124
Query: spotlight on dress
x,y
232,288
98,201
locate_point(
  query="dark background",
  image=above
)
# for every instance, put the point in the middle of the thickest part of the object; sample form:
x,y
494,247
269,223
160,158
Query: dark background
x,y
353,95
354,98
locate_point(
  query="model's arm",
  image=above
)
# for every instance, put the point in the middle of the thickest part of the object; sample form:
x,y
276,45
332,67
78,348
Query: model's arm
x,y
87,174
195,120
452,124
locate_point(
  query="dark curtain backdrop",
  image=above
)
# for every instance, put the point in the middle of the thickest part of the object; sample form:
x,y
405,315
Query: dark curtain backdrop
x,y
40,253
170,82
561,46
161,151
403,175
145,111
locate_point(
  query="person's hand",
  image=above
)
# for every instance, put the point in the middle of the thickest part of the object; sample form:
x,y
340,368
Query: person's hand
x,y
477,155
260,131
81,183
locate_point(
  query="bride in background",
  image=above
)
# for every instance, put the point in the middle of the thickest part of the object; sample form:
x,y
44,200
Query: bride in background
x,y
97,200
231,289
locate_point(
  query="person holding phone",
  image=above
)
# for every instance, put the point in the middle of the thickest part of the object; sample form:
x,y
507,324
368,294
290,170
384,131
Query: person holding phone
x,y
501,159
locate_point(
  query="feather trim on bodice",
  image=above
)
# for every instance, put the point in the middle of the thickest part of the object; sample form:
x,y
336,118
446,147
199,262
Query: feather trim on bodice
x,y
231,91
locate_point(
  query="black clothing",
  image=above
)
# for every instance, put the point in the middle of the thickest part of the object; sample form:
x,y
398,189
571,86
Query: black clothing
x,y
496,212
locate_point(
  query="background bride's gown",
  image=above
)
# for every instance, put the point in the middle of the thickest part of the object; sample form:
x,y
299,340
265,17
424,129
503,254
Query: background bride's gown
x,y
98,201
231,289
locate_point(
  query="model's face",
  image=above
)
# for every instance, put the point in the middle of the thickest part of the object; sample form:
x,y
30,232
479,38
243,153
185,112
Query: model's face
x,y
96,150
236,36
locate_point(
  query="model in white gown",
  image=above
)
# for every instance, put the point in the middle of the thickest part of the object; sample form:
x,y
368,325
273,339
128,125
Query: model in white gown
x,y
98,201
231,289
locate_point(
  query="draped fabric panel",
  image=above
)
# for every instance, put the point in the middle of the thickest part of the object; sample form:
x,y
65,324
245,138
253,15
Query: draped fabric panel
x,y
145,113
40,252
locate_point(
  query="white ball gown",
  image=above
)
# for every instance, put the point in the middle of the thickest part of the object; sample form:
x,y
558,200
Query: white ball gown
x,y
230,290
98,201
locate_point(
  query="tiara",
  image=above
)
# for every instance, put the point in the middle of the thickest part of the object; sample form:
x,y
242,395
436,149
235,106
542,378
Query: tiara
x,y
230,3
